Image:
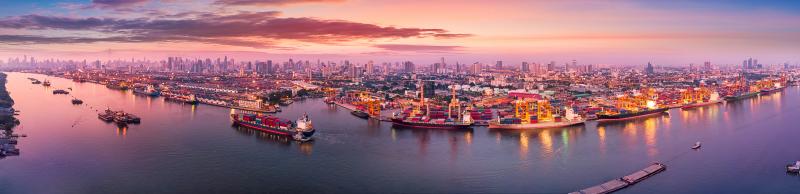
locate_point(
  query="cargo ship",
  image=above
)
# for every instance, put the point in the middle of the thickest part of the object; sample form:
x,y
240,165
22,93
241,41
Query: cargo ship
x,y
149,90
116,86
360,114
416,118
301,130
544,119
190,99
640,104
699,98
741,95
625,115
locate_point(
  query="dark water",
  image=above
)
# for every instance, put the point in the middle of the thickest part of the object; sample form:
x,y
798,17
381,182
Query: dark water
x,y
193,149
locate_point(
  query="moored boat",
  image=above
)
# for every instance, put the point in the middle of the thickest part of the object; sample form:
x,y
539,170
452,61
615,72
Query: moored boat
x,y
539,121
360,114
77,101
631,114
741,96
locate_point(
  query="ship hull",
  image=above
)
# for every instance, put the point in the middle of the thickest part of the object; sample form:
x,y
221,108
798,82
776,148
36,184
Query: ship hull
x,y
545,125
360,114
628,116
276,131
740,97
421,125
701,104
771,91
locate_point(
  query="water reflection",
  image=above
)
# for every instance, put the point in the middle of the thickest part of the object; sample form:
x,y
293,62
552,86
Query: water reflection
x,y
424,136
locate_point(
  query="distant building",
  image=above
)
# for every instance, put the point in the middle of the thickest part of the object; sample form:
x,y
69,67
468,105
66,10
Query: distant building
x,y
499,65
649,69
525,67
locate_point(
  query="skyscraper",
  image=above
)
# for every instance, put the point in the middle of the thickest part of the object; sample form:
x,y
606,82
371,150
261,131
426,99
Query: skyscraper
x,y
499,65
649,69
525,67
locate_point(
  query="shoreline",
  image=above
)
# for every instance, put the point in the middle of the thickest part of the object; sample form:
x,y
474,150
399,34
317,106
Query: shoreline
x,y
7,119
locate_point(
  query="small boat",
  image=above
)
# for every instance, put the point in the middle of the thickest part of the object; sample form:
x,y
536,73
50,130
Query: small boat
x,y
696,145
77,101
793,168
60,92
46,83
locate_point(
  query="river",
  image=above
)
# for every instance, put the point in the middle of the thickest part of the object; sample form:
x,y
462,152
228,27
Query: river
x,y
181,148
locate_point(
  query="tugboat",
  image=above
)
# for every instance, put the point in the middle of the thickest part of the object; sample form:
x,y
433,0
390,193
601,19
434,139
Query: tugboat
x,y
696,145
360,114
301,130
77,101
793,168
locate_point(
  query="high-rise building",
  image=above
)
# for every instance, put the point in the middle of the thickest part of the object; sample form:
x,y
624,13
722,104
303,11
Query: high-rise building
x,y
499,65
649,69
369,67
551,66
525,67
476,68
408,67
707,65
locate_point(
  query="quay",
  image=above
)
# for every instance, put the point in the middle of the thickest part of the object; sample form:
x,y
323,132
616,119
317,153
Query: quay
x,y
620,183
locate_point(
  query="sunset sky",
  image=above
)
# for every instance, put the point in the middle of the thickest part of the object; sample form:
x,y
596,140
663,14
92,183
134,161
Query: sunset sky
x,y
591,32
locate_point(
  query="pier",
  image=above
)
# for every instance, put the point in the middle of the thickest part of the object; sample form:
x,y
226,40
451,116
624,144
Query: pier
x,y
625,181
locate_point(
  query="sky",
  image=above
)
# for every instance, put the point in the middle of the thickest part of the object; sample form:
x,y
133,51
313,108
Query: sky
x,y
591,32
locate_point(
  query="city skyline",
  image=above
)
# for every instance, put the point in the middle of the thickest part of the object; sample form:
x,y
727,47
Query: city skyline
x,y
622,32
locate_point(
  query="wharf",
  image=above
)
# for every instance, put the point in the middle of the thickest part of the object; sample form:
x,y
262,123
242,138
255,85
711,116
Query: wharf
x,y
625,181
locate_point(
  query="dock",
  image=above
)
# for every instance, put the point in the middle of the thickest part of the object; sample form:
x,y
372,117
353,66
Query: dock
x,y
625,181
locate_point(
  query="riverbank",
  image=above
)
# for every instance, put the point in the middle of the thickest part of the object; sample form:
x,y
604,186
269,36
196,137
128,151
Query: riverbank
x,y
7,120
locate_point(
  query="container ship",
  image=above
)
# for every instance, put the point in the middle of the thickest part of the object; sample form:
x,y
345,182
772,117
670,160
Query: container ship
x,y
117,86
536,115
741,95
694,98
740,89
625,115
631,107
190,99
416,118
302,130
148,90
